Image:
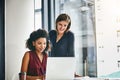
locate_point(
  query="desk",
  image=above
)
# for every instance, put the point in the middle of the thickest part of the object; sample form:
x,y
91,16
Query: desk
x,y
84,78
88,78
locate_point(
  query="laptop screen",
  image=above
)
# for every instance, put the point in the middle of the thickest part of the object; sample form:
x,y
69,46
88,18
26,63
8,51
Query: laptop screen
x,y
60,68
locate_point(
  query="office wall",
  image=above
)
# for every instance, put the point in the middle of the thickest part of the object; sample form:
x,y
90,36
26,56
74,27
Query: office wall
x,y
18,25
107,29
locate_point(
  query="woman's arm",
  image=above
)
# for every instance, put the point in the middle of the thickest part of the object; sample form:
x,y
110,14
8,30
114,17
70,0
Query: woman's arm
x,y
25,62
71,45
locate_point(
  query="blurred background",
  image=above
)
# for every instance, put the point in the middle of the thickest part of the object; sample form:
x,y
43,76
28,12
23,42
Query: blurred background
x,y
95,23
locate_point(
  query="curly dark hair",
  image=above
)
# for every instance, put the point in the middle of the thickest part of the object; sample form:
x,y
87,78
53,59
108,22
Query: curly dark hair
x,y
40,33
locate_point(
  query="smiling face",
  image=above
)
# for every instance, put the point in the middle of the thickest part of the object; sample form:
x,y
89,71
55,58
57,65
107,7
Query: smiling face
x,y
62,26
40,44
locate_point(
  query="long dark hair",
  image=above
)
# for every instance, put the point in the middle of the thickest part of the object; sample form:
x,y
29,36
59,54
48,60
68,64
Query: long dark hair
x,y
64,17
40,33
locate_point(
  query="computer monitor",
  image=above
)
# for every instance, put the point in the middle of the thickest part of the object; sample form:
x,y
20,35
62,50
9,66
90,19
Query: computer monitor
x,y
60,68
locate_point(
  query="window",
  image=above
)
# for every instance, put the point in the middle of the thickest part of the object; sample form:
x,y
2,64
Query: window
x,y
81,13
38,14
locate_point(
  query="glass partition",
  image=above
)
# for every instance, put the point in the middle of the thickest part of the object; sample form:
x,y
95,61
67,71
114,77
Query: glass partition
x,y
82,17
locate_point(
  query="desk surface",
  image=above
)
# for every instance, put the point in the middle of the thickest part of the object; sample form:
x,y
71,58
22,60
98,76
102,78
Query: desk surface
x,y
88,78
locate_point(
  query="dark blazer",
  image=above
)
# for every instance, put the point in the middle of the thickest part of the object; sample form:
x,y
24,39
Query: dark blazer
x,y
64,47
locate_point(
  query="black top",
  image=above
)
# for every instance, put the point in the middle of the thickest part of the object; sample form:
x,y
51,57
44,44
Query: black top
x,y
64,47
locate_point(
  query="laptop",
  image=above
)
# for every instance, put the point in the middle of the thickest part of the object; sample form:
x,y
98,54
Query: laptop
x,y
60,68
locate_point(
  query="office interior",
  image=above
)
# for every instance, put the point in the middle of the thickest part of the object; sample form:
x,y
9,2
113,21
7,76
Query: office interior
x,y
95,23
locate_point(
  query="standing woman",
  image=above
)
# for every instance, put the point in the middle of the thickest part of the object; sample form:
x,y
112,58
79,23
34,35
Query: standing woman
x,y
34,61
62,39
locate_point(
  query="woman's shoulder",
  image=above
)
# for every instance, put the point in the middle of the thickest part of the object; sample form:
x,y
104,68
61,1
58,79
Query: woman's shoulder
x,y
27,53
70,33
52,32
46,55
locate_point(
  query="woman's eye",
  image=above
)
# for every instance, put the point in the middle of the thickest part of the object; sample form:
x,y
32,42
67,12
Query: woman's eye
x,y
39,43
65,25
